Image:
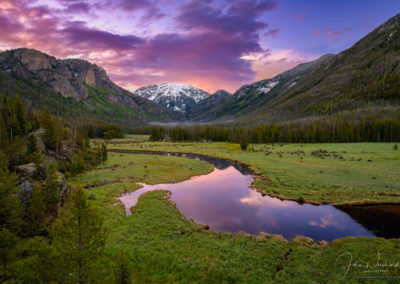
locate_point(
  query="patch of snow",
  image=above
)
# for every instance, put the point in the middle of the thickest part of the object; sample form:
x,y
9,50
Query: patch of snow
x,y
176,108
291,85
171,90
268,87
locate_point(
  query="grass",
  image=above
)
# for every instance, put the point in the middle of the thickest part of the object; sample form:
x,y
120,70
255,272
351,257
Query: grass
x,y
316,173
143,168
165,247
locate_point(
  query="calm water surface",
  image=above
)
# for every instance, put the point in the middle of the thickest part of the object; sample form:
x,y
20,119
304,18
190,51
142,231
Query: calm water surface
x,y
224,200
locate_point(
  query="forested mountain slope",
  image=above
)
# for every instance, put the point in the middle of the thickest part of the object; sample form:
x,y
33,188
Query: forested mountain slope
x,y
74,88
367,75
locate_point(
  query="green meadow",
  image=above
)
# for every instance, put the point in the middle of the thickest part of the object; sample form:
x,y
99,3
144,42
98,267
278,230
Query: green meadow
x,y
165,247
317,173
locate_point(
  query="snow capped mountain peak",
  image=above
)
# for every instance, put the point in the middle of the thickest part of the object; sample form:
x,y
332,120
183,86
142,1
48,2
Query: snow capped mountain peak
x,y
179,97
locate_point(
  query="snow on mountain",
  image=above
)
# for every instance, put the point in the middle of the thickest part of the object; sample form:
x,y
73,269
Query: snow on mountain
x,y
178,97
268,87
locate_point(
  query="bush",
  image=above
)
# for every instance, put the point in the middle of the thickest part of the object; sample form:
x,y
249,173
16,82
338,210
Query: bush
x,y
77,165
244,144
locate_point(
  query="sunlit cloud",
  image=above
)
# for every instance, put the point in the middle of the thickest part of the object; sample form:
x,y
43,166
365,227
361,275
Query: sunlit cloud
x,y
214,44
329,220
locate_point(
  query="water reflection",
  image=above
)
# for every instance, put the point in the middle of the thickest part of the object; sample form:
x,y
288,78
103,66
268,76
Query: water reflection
x,y
224,200
382,220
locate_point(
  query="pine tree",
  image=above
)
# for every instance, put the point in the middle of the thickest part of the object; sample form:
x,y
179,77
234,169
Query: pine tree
x,y
3,136
20,116
32,145
9,205
36,213
33,151
50,188
79,238
60,133
49,136
243,143
102,153
8,240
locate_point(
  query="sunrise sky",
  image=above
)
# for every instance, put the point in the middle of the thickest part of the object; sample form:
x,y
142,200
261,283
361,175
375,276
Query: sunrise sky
x,y
211,44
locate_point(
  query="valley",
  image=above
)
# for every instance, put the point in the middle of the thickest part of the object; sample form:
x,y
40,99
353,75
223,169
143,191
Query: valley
x,y
209,141
159,235
317,173
359,80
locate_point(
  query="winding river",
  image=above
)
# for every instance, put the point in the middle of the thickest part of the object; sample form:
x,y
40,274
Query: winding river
x,y
224,200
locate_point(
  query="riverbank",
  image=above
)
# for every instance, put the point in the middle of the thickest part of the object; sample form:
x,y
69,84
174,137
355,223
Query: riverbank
x,y
163,246
353,173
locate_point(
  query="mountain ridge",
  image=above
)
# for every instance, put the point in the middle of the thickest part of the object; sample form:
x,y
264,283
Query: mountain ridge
x,y
175,96
74,83
363,76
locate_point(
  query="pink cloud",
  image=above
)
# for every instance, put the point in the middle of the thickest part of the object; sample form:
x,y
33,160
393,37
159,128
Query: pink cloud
x,y
208,52
330,34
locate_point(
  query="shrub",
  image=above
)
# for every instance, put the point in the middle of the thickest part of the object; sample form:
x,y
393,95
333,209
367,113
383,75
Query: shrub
x,y
244,144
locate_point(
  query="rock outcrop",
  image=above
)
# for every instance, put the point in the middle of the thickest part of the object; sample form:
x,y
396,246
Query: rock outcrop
x,y
78,79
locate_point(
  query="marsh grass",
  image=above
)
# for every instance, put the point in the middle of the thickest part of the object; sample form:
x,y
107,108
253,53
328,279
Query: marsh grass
x,y
319,173
164,247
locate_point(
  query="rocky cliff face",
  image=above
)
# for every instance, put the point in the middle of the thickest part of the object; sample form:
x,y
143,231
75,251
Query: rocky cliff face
x,y
78,79
27,62
67,77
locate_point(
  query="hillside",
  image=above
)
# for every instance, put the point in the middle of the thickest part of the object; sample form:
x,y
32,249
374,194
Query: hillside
x,y
74,88
252,96
367,75
364,77
178,97
209,107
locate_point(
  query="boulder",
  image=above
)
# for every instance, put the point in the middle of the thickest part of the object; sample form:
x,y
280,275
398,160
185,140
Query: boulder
x,y
39,141
62,185
27,171
25,192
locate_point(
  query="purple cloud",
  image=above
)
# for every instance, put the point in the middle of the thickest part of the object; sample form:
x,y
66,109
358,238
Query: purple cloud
x,y
240,17
208,53
273,33
78,8
78,34
131,5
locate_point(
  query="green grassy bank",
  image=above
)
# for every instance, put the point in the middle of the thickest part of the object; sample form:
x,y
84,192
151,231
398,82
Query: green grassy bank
x,y
165,247
317,173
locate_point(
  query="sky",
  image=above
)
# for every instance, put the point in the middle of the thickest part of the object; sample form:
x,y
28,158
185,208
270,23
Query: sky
x,y
210,44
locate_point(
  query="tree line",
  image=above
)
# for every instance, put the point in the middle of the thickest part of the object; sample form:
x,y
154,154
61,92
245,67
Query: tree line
x,y
106,131
321,130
